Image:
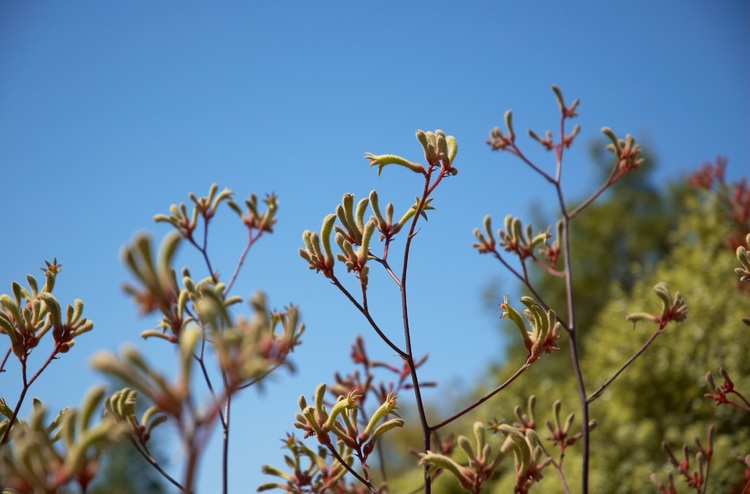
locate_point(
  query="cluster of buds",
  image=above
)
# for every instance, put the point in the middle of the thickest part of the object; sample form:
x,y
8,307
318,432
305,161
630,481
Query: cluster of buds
x,y
560,433
627,153
31,312
523,242
45,457
526,420
311,471
719,393
483,461
132,369
513,238
673,308
252,217
248,350
120,406
204,206
439,150
545,328
734,197
353,235
159,290
743,255
500,140
342,422
708,173
696,478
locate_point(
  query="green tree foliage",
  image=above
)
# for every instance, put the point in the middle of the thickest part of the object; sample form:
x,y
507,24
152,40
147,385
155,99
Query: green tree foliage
x,y
661,396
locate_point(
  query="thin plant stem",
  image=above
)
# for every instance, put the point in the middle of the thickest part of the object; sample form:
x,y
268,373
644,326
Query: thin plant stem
x,y
143,450
741,397
250,241
573,345
261,377
558,467
225,446
596,394
708,471
521,277
737,405
204,248
570,326
514,150
5,359
207,379
369,318
192,464
426,430
26,385
364,481
481,400
388,269
595,195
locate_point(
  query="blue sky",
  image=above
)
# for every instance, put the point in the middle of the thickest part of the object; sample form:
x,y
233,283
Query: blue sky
x,y
110,112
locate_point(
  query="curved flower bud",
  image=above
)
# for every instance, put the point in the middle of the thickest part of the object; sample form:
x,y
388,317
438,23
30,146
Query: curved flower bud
x,y
383,160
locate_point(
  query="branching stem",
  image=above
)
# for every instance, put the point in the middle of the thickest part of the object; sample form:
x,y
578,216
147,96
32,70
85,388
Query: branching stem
x,y
26,385
364,481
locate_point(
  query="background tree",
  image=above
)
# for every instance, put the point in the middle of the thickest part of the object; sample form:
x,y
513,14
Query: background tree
x,y
661,396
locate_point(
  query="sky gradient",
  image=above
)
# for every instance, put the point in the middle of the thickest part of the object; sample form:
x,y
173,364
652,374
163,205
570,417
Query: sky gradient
x,y
110,112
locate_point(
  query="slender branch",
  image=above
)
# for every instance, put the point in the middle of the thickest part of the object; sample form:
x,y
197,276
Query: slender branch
x,y
426,431
369,318
225,446
741,397
706,477
5,359
596,194
525,280
570,326
207,379
737,405
146,454
519,154
263,375
596,394
558,467
548,268
203,249
14,415
26,385
388,269
192,462
575,361
351,470
250,241
481,400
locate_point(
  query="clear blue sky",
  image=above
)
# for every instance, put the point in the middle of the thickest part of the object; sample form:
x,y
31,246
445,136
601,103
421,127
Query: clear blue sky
x,y
112,111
